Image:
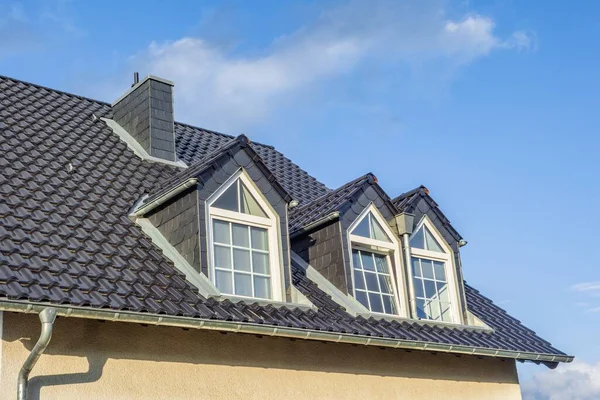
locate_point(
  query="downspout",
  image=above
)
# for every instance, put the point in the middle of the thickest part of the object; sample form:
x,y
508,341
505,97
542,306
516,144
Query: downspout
x,y
47,317
411,284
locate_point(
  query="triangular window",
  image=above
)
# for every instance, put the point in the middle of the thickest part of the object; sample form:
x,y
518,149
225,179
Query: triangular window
x,y
370,228
238,198
423,239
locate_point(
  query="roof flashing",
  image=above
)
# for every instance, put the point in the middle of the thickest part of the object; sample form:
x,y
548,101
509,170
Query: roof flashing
x,y
136,147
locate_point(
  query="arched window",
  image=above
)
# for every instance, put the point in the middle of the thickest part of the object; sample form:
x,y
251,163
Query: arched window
x,y
243,241
374,259
433,275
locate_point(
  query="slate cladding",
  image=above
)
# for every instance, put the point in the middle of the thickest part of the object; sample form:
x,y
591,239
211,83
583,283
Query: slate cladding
x,y
322,249
67,184
147,114
177,221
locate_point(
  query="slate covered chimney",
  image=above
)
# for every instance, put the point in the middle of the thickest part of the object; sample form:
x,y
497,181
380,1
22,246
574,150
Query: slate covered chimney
x,y
145,111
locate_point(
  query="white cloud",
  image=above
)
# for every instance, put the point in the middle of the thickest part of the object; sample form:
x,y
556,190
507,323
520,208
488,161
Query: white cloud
x,y
225,90
578,381
591,292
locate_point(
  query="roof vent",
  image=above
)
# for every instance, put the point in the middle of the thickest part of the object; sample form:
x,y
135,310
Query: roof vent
x,y
145,111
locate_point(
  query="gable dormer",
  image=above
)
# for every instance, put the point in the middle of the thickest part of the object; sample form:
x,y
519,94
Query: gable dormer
x,y
345,235
434,246
227,216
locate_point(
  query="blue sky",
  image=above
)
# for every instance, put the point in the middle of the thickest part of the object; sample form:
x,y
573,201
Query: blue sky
x,y
493,105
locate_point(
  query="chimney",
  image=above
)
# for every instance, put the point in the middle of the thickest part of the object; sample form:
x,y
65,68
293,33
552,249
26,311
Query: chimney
x,y
145,111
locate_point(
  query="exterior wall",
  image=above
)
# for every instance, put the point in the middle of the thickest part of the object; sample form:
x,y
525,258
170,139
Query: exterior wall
x,y
425,207
89,359
147,115
323,250
178,223
211,180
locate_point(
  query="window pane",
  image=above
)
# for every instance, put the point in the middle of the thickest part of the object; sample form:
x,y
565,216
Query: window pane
x,y
221,232
432,244
260,263
362,229
262,287
371,281
367,261
388,305
249,203
421,309
385,283
418,284
430,289
378,232
223,281
376,305
222,257
243,285
442,290
359,280
435,311
356,259
241,260
440,273
418,241
362,298
241,235
381,264
259,238
446,313
229,199
416,267
427,267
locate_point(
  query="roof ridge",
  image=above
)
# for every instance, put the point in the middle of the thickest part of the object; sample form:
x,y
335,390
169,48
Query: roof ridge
x,y
404,195
333,191
54,90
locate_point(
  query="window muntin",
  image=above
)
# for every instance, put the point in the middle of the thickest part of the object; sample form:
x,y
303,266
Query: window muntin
x,y
374,257
431,290
243,241
241,260
432,269
373,283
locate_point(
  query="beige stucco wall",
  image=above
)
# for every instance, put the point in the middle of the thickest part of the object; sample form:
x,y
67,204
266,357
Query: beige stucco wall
x,y
93,360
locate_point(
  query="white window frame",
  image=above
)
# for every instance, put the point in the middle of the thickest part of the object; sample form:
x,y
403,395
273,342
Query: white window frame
x,y
271,224
449,266
392,252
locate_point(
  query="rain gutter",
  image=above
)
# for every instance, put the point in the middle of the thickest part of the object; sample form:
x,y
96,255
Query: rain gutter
x,y
330,217
145,208
276,331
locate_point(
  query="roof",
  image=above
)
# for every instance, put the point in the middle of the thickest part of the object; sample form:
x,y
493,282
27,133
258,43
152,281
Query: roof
x,y
334,200
406,201
65,238
163,187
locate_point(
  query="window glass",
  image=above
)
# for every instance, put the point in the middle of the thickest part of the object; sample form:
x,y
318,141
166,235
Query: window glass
x,y
229,199
377,231
372,281
241,259
249,205
369,227
362,229
431,290
423,239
